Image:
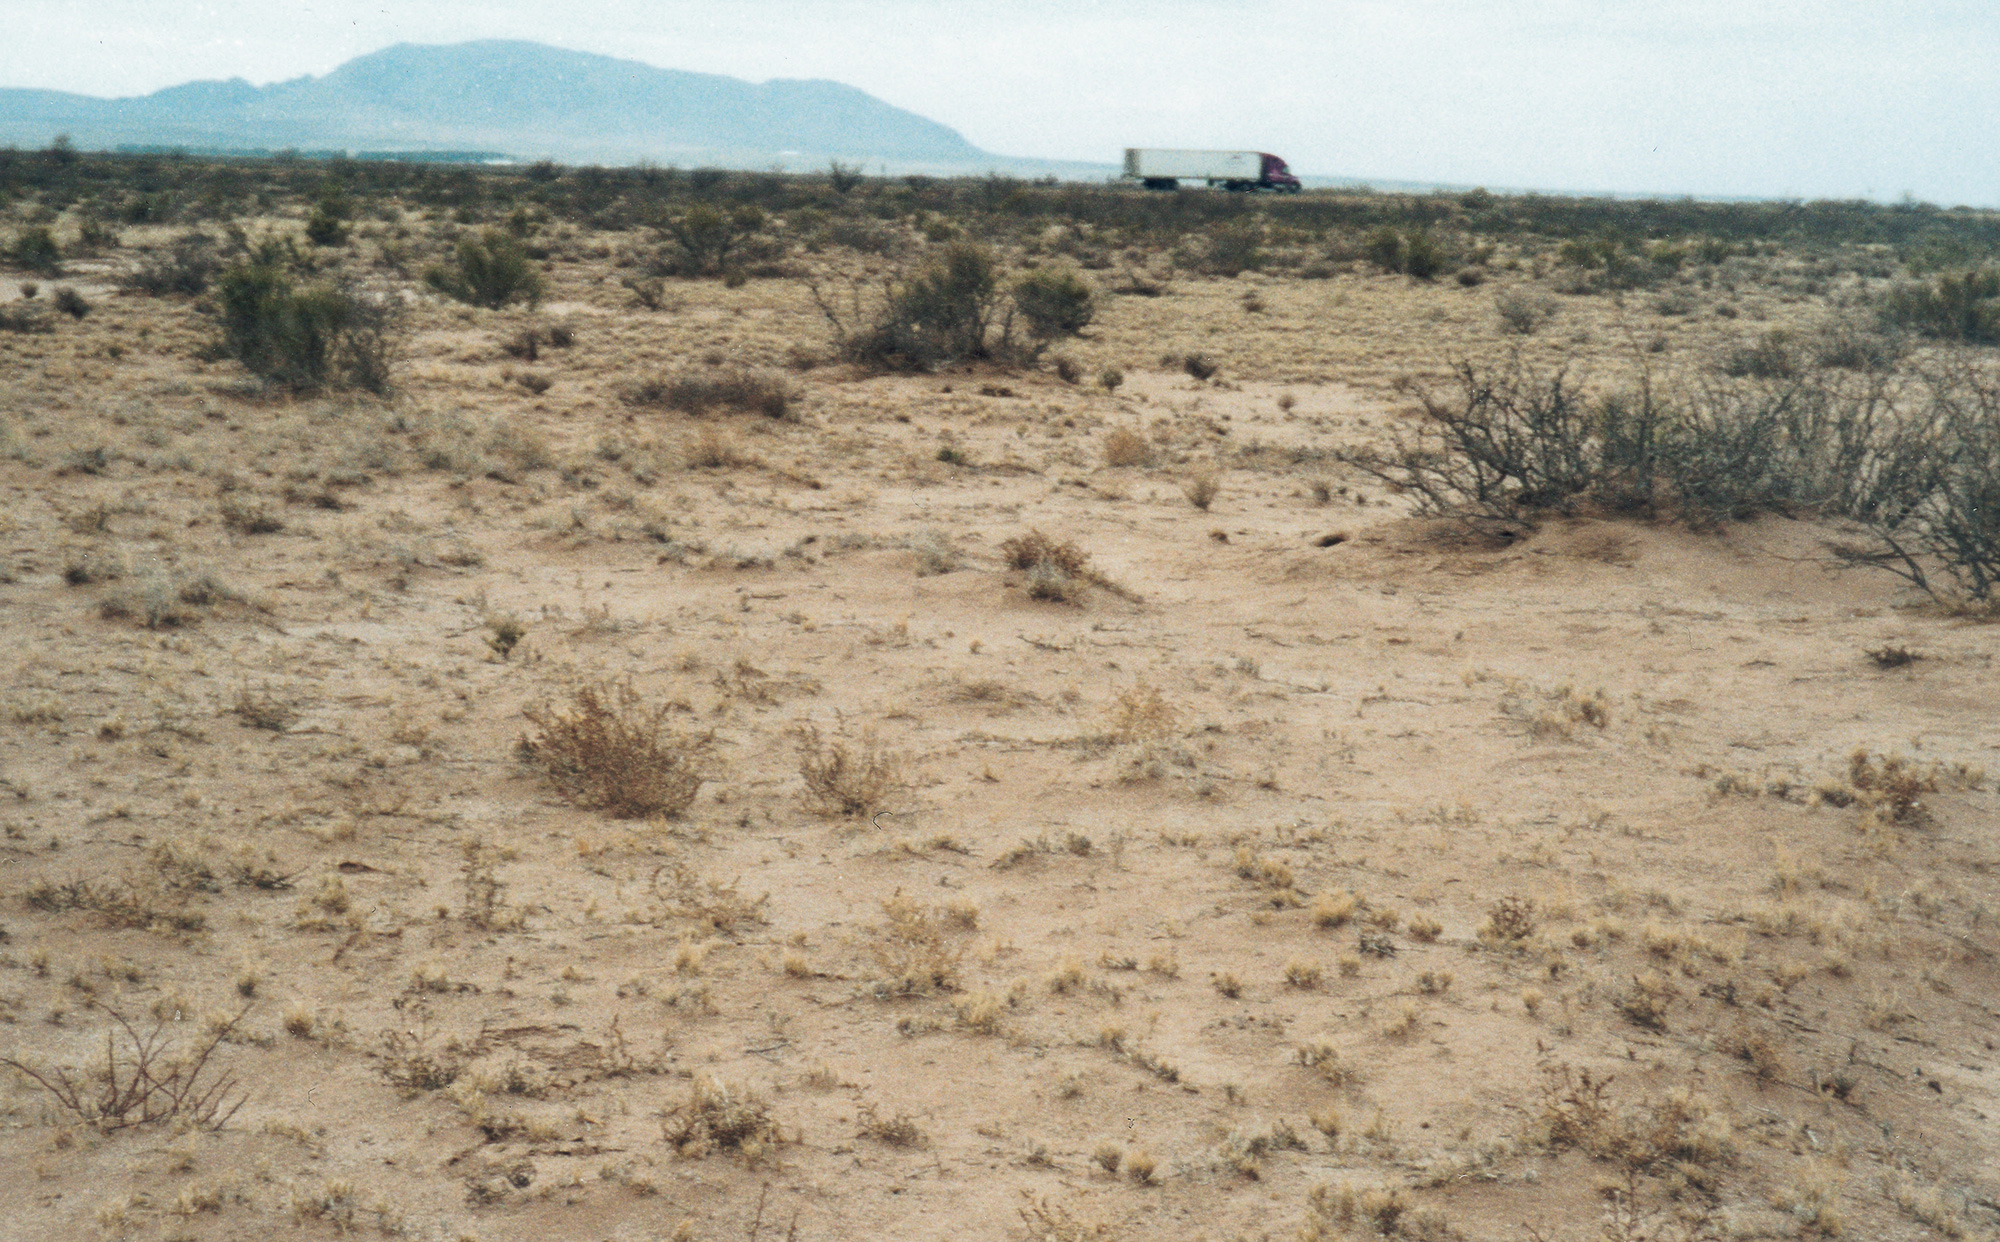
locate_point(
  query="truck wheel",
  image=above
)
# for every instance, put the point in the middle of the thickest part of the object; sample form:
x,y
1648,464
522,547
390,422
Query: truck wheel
x,y
1161,183
1236,187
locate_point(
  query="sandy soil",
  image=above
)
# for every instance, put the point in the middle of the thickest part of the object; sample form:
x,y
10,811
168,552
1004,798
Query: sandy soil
x,y
1318,846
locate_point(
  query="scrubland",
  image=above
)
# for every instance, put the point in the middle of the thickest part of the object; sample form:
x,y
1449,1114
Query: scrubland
x,y
569,703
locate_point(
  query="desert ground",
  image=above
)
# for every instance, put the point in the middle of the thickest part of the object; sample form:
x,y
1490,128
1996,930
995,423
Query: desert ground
x,y
1301,866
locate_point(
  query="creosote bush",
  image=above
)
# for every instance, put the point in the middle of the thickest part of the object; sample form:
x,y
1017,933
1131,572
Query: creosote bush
x,y
1914,467
609,750
307,337
1952,306
944,313
489,270
1055,302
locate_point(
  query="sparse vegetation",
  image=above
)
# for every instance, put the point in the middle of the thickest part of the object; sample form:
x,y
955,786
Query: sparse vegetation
x,y
1237,873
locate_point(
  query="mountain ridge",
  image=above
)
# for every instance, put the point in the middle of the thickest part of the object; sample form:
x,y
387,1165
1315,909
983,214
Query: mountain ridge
x,y
530,99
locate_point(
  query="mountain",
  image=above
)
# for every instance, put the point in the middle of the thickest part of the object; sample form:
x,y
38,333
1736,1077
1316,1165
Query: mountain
x,y
527,99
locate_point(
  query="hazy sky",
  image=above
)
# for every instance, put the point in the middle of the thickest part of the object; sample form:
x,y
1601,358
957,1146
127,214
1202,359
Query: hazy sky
x,y
1710,97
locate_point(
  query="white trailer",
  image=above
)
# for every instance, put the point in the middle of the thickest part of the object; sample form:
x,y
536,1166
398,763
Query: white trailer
x,y
1159,168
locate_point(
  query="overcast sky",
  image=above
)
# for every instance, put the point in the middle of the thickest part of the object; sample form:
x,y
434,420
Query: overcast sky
x,y
1832,99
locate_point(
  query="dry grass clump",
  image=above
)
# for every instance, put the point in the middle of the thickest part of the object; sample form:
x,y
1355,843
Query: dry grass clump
x,y
1124,447
609,750
1680,1128
897,1130
1142,714
1202,487
919,951
1385,1211
729,388
1892,783
1330,909
1034,548
1509,922
721,1116
711,448
845,781
935,552
1056,571
263,710
160,601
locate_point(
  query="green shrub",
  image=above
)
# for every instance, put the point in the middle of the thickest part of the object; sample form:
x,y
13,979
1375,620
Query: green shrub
x,y
327,225
706,237
1234,249
1955,306
1055,302
1415,253
1423,255
490,270
186,266
71,303
306,338
1384,248
35,248
942,314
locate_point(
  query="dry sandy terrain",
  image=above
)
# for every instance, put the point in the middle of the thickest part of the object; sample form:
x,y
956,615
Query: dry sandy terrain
x,y
1275,883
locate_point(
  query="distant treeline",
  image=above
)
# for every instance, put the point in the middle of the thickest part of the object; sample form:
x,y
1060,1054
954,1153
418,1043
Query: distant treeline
x,y
293,153
182,187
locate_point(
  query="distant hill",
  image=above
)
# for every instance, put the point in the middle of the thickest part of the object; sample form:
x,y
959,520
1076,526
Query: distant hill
x,y
527,99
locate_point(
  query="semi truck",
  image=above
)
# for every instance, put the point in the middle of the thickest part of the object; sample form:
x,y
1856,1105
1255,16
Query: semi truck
x,y
1242,171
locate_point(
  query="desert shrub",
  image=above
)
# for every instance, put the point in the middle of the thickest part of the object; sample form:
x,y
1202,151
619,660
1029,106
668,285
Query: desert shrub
x,y
1201,487
942,314
1851,346
1200,366
304,337
1423,255
704,238
1058,572
1770,356
142,1080
160,601
1508,441
1234,249
845,781
609,750
1953,306
491,270
1929,501
35,248
1522,311
186,266
1035,548
1384,248
1125,447
70,302
25,319
1914,468
327,224
734,388
1055,302
719,1116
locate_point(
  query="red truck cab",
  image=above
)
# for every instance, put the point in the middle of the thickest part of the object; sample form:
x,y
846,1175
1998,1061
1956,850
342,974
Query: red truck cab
x,y
1277,176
